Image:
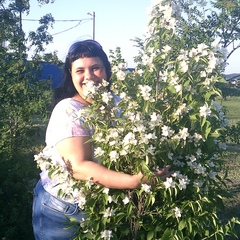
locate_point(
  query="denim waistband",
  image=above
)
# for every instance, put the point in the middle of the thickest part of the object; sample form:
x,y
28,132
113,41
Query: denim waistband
x,y
54,202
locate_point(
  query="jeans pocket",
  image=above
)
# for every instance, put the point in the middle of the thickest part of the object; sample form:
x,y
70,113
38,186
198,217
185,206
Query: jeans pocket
x,y
58,205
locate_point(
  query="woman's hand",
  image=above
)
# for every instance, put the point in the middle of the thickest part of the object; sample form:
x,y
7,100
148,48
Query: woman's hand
x,y
164,172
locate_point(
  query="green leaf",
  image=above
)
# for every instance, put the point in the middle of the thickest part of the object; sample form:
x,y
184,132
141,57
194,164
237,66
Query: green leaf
x,y
168,234
181,225
150,235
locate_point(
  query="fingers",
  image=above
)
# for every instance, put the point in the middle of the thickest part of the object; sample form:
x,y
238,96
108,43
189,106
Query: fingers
x,y
164,172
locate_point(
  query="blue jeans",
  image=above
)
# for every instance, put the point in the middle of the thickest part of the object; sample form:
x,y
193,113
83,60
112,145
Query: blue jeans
x,y
50,216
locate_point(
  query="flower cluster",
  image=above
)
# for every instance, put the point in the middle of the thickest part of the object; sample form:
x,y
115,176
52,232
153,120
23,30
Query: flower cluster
x,y
63,182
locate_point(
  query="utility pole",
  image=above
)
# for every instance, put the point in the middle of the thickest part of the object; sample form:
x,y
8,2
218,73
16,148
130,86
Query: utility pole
x,y
93,18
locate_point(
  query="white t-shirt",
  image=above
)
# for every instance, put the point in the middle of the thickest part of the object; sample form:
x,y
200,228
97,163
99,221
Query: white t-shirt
x,y
64,123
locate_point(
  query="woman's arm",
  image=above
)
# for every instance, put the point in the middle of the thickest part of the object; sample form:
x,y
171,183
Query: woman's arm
x,y
78,154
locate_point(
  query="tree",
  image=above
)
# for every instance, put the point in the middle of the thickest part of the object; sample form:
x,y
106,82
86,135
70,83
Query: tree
x,y
24,102
207,22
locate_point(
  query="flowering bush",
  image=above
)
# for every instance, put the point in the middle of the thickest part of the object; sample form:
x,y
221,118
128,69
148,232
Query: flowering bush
x,y
165,113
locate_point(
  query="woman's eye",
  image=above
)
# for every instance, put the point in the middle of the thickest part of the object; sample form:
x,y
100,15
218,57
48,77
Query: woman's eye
x,y
96,68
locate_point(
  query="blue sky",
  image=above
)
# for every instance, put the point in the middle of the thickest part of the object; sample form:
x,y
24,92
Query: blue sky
x,y
116,23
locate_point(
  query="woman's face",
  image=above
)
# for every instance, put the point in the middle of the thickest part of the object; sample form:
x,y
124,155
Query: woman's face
x,y
84,70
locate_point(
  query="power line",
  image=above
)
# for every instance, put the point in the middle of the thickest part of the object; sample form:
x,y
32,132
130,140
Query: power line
x,y
67,29
68,20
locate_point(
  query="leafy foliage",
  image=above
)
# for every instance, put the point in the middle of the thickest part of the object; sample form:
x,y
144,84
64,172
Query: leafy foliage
x,y
24,101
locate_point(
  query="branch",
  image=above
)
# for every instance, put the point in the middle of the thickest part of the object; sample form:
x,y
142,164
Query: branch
x,y
233,50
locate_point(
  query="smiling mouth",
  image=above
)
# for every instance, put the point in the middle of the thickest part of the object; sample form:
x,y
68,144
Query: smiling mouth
x,y
92,83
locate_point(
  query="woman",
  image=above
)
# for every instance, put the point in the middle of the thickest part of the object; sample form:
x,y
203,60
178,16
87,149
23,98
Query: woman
x,y
67,140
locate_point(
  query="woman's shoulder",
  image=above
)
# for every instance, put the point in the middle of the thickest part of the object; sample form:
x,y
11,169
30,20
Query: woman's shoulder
x,y
68,103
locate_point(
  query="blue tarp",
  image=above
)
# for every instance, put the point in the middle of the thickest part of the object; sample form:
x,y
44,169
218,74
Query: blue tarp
x,y
52,72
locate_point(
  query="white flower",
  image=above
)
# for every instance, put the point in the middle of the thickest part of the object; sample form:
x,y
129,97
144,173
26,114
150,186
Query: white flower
x,y
169,182
109,212
129,139
144,139
197,137
121,75
123,152
156,118
203,74
81,201
211,164
112,199
123,95
106,190
151,150
98,152
126,200
177,212
170,155
182,108
146,188
178,87
89,182
183,133
205,111
105,83
212,174
140,72
177,174
198,183
113,156
167,11
151,136
199,152
113,133
183,182
90,89
199,169
166,49
145,92
167,131
193,52
106,234
106,97
212,62
201,47
183,66
146,60
98,137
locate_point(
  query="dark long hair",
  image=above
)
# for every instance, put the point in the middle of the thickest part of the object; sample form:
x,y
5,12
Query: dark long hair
x,y
81,49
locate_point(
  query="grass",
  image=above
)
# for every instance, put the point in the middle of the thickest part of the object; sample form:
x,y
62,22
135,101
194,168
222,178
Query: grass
x,y
232,163
232,104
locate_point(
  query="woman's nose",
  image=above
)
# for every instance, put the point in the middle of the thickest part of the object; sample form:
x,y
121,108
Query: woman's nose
x,y
88,75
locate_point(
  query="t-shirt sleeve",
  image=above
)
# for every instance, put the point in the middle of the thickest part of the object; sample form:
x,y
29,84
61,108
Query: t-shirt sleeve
x,y
64,123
